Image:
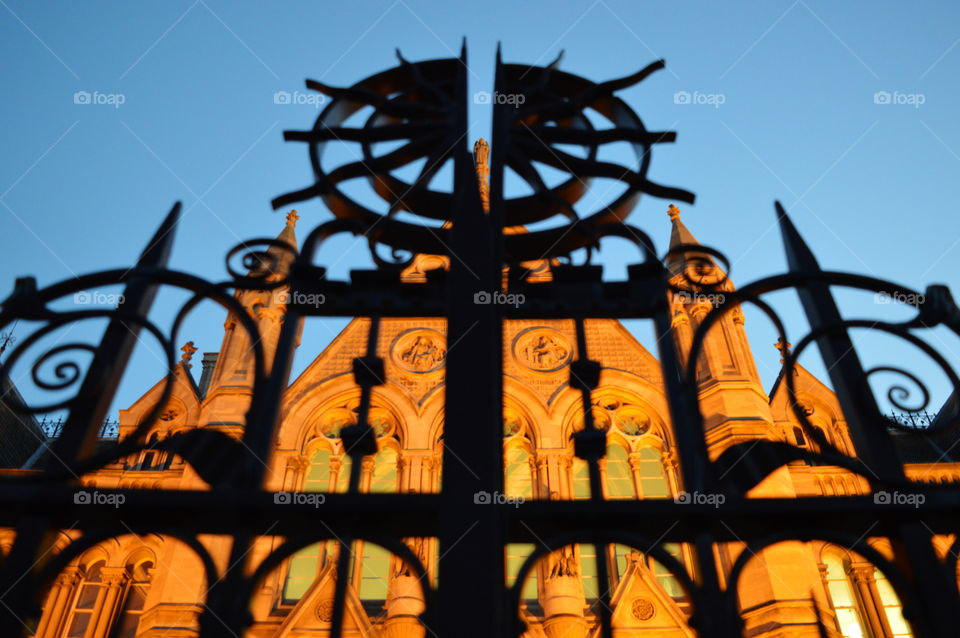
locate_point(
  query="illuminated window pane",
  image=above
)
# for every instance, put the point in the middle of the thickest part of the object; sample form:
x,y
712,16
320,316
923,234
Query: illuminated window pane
x,y
384,476
618,476
653,478
374,572
517,480
665,577
318,474
516,554
849,614
303,570
588,572
581,479
892,606
343,476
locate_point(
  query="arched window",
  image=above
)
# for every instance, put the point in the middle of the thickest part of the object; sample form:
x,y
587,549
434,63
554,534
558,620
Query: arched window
x,y
371,568
85,600
138,583
326,473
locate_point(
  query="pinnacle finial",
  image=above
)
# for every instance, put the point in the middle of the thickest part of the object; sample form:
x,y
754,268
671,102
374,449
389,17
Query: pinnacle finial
x,y
188,349
292,217
481,160
674,213
784,347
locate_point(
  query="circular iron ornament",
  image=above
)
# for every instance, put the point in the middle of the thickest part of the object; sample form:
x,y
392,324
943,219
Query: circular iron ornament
x,y
420,350
416,112
542,349
642,609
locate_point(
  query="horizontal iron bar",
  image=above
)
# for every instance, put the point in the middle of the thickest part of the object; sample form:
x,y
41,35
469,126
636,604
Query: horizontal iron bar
x,y
228,511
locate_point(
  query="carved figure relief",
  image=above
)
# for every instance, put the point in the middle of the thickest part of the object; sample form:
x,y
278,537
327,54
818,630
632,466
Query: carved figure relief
x,y
542,349
420,350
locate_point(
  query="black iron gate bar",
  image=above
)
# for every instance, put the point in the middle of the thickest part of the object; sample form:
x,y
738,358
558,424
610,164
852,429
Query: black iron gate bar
x,y
426,104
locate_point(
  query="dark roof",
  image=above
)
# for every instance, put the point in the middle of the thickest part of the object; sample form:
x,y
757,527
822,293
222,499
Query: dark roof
x,y
20,434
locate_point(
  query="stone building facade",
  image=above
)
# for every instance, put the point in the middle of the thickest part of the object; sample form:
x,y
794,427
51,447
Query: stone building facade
x,y
153,586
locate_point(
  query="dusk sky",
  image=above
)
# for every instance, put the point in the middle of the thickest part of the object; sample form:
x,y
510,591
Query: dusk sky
x,y
845,112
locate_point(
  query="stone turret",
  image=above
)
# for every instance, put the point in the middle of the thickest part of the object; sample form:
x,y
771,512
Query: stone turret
x,y
230,386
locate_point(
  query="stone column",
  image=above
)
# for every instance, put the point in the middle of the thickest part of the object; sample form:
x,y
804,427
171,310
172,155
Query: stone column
x,y
58,602
862,576
563,600
109,603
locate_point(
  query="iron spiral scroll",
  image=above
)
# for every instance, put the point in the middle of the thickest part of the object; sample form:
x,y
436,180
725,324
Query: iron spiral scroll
x,y
422,106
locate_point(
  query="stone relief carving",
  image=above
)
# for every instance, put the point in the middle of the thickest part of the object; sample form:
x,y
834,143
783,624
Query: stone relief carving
x,y
542,349
420,350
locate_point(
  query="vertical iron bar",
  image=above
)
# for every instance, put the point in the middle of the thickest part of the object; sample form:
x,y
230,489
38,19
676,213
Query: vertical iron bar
x,y
939,613
471,534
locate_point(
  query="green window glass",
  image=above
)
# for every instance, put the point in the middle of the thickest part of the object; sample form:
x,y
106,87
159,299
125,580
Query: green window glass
x,y
618,476
517,480
665,577
581,479
384,476
516,554
374,572
588,572
653,478
303,570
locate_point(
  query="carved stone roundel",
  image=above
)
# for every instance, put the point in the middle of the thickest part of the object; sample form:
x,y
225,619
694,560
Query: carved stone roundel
x,y
325,610
542,349
420,350
642,609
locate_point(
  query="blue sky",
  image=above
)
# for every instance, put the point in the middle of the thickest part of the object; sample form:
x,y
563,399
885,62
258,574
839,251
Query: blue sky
x,y
846,112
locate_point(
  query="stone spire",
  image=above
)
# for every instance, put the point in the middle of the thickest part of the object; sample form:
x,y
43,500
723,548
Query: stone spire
x,y
287,234
681,235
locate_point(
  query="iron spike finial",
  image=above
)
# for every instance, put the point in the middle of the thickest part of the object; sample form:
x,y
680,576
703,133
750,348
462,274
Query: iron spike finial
x,y
799,256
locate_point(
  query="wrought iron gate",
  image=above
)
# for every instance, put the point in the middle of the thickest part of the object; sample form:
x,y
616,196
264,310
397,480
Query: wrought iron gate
x,y
424,105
